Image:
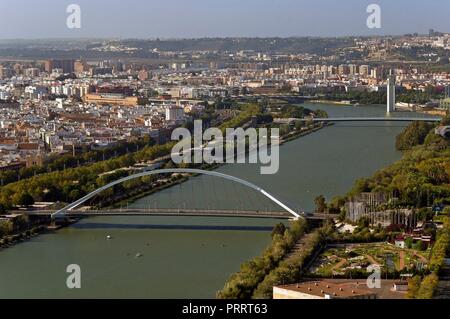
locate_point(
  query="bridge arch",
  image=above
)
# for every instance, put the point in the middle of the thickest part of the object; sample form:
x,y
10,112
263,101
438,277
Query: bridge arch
x,y
80,201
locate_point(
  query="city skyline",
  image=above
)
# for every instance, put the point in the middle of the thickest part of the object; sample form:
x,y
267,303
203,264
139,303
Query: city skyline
x,y
181,19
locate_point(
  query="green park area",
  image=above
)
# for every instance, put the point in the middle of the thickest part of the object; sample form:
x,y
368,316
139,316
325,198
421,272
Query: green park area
x,y
345,260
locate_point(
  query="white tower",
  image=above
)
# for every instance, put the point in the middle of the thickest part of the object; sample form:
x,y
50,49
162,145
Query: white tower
x,y
391,93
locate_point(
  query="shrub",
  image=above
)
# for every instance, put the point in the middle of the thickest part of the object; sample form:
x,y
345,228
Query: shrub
x,y
413,135
413,287
428,286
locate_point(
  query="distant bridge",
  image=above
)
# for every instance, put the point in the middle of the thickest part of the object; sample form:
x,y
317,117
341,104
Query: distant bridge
x,y
373,119
69,208
291,98
357,119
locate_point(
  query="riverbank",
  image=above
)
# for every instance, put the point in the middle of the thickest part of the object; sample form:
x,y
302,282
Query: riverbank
x,y
13,239
419,108
294,135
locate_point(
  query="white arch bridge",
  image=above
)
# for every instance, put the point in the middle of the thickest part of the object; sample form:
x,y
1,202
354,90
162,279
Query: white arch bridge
x,y
68,210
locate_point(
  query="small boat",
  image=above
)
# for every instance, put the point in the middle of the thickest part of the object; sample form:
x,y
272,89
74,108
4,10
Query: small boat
x,y
138,255
109,237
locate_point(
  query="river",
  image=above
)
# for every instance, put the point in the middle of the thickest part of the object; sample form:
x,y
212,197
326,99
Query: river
x,y
191,257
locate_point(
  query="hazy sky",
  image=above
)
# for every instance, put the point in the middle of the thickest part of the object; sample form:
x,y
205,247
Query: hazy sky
x,y
211,18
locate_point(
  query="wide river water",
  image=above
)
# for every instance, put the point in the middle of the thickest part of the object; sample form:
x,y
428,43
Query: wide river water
x,y
192,257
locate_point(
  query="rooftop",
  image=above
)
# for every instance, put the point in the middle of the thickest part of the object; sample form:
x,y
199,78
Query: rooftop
x,y
344,288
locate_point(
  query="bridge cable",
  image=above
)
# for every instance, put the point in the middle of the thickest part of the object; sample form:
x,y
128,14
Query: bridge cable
x,y
216,195
213,193
238,197
250,201
203,191
224,189
194,200
254,201
170,203
180,204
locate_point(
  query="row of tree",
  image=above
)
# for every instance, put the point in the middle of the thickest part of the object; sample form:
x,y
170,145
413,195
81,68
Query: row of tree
x,y
69,160
291,270
243,284
425,288
9,226
70,184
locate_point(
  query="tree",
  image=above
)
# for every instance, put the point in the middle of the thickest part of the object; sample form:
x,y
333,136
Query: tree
x,y
279,229
74,195
413,287
409,242
23,199
298,125
336,205
427,287
264,118
321,113
342,215
363,223
284,129
6,227
419,245
21,222
413,135
3,208
321,204
446,120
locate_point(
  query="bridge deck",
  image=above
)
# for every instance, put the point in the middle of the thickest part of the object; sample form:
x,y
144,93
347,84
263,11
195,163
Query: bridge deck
x,y
173,212
369,119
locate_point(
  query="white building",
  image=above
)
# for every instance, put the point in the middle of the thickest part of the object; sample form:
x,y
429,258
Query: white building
x,y
5,95
391,93
174,113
